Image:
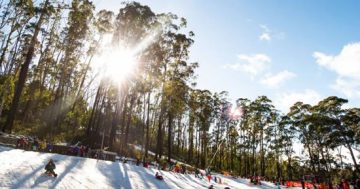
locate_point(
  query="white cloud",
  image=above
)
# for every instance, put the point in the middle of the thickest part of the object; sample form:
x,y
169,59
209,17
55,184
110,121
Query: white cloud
x,y
265,37
255,58
349,87
346,65
274,81
267,34
255,64
284,101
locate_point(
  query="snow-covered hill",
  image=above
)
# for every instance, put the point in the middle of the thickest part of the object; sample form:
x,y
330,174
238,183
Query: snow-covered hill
x,y
23,169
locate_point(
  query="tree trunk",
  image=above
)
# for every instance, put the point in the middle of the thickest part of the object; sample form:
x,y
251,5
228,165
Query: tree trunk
x,y
170,119
147,137
91,119
353,157
129,116
290,171
114,126
191,138
262,155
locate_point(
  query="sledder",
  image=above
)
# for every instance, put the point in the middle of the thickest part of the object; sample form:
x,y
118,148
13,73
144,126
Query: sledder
x,y
50,166
158,176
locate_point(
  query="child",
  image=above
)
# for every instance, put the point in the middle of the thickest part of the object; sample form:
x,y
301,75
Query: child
x,y
50,166
158,176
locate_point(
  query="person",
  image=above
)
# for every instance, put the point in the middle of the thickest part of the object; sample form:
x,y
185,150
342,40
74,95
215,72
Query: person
x,y
209,177
158,176
49,147
303,183
258,180
338,186
137,162
50,166
357,184
36,144
211,187
352,185
197,172
344,184
315,185
42,146
146,164
183,169
22,143
82,151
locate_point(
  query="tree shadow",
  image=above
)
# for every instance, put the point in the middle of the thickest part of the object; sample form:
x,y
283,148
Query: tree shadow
x,y
28,176
67,170
247,183
5,148
174,181
191,179
42,179
148,176
112,171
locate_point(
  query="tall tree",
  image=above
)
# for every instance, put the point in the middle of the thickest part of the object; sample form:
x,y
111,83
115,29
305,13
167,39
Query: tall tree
x,y
24,69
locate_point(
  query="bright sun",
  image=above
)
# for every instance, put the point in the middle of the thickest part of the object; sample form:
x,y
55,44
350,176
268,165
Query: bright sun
x,y
119,64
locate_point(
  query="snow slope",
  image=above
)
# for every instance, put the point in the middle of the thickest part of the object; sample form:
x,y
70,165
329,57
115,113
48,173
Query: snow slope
x,y
23,169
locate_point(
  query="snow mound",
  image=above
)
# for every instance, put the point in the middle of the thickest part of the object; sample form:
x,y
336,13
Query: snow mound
x,y
24,169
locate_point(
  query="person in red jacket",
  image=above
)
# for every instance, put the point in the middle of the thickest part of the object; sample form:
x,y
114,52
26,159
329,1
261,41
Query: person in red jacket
x,y
344,184
209,177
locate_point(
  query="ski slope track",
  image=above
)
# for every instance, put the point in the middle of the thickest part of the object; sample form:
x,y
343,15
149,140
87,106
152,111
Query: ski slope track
x,y
24,169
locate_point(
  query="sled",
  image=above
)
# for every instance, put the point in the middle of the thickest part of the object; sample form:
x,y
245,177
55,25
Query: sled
x,y
49,174
159,177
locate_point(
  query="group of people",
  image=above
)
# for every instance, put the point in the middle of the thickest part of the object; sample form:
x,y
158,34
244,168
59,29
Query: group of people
x,y
256,180
348,185
343,184
179,168
34,144
80,150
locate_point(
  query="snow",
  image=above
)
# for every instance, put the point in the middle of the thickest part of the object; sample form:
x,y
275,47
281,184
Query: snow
x,y
24,169
139,148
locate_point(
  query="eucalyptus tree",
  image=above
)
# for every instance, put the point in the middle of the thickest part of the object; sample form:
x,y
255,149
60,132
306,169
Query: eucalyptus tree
x,y
193,105
75,33
205,118
274,136
25,67
288,135
222,118
343,123
298,115
350,132
260,109
244,138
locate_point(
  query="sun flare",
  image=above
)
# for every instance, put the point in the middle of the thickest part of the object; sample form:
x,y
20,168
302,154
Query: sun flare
x,y
119,64
236,113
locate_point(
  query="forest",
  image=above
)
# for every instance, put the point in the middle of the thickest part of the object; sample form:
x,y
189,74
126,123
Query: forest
x,y
71,73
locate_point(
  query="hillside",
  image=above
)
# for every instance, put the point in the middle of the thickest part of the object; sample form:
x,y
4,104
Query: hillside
x,y
23,169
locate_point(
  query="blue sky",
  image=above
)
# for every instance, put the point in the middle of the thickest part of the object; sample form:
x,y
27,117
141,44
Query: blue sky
x,y
288,50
